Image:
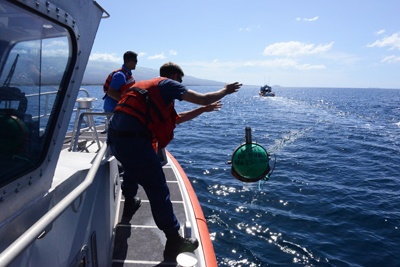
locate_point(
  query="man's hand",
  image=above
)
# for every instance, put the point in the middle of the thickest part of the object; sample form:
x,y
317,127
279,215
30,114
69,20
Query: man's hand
x,y
213,106
232,87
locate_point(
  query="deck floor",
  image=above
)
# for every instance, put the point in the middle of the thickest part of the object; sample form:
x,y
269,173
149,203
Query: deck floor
x,y
139,242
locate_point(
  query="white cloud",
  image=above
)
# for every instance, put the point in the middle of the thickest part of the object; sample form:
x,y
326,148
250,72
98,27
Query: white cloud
x,y
52,48
391,59
158,56
312,19
307,19
392,42
294,48
173,52
310,67
380,32
105,57
55,44
55,52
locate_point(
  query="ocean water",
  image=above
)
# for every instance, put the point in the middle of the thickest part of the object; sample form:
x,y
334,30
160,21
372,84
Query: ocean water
x,y
333,198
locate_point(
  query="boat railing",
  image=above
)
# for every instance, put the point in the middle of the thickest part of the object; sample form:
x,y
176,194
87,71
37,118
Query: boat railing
x,y
76,133
90,125
39,228
47,104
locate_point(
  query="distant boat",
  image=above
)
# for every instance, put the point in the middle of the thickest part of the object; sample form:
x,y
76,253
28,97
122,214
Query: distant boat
x,y
266,90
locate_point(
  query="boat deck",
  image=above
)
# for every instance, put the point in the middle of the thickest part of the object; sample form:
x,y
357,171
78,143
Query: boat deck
x,y
139,242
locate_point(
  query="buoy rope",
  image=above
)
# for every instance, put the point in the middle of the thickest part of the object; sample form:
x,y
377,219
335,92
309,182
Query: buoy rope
x,y
267,177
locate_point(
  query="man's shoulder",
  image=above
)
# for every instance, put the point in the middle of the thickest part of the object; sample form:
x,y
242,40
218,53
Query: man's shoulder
x,y
169,83
123,72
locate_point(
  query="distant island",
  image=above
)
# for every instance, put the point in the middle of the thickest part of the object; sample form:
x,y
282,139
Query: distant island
x,y
96,74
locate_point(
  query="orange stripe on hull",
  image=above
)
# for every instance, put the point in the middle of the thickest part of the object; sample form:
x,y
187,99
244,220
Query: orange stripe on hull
x,y
205,241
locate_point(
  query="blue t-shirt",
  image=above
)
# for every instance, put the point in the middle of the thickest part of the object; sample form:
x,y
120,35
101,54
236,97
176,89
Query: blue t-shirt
x,y
171,90
118,80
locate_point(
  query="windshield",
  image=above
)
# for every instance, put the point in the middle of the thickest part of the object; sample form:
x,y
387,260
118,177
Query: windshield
x,y
35,54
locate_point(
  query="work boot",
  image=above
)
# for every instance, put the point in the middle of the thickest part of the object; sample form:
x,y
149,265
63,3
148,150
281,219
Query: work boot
x,y
178,244
131,206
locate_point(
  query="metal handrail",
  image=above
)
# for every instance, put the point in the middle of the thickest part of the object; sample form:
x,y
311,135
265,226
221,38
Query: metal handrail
x,y
46,105
78,128
19,245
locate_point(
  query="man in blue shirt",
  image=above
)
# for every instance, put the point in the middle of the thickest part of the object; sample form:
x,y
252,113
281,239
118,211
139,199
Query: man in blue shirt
x,y
120,77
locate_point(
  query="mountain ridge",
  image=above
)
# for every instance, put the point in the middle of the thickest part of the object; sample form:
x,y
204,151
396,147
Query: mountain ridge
x,y
96,73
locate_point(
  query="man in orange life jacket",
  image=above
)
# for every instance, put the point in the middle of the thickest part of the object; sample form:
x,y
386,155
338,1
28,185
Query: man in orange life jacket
x,y
142,117
117,79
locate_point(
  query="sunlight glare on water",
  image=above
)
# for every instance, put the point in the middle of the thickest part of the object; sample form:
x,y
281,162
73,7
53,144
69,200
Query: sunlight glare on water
x,y
333,197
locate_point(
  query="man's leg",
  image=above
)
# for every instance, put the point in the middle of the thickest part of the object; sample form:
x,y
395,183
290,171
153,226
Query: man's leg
x,y
155,185
120,147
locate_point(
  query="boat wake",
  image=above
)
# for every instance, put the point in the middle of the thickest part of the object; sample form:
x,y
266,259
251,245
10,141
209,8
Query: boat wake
x,y
289,139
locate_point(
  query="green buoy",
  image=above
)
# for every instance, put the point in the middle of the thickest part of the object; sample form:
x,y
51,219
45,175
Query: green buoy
x,y
250,161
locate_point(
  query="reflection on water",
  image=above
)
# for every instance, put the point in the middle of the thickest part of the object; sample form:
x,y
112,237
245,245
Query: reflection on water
x,y
333,197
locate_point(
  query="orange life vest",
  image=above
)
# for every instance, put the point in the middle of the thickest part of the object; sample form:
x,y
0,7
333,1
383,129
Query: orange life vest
x,y
129,80
143,101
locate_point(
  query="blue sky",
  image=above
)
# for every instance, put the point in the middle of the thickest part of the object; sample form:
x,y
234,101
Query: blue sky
x,y
344,43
